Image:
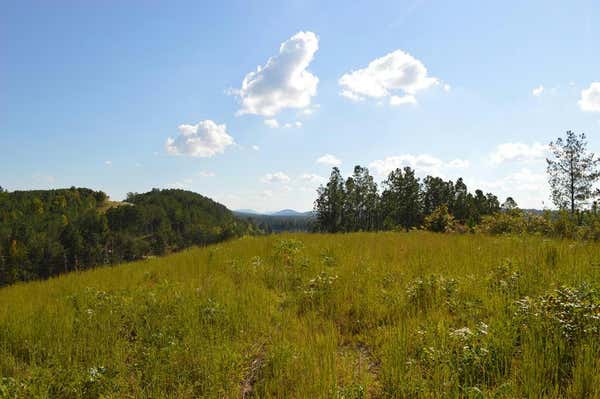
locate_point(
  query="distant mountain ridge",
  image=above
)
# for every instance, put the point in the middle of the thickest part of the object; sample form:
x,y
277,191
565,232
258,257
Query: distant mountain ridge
x,y
283,212
280,221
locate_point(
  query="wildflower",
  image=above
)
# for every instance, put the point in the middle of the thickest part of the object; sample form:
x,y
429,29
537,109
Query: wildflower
x,y
463,333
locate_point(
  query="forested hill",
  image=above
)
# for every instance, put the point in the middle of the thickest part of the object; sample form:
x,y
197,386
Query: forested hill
x,y
47,232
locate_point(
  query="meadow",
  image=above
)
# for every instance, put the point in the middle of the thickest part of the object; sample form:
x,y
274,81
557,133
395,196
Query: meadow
x,y
361,315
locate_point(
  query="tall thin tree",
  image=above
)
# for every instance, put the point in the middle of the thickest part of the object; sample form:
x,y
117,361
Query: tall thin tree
x,y
329,205
572,172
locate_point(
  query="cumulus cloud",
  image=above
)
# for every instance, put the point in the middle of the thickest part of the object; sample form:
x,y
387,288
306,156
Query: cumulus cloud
x,y
312,178
537,91
284,81
528,188
272,123
309,111
518,152
590,98
421,163
108,163
397,75
401,100
329,160
255,147
277,177
459,163
203,140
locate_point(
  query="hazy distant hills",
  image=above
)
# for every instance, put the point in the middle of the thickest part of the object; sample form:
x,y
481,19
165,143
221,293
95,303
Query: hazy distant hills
x,y
283,212
279,221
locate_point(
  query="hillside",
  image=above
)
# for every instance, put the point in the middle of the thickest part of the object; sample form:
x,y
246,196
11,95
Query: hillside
x,y
361,315
47,232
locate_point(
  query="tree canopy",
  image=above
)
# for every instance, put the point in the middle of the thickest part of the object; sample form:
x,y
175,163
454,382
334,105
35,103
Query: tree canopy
x,y
47,232
572,172
404,203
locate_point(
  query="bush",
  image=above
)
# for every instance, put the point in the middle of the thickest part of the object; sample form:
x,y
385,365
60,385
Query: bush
x,y
440,220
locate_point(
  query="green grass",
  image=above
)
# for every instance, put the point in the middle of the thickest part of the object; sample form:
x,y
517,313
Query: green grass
x,y
365,315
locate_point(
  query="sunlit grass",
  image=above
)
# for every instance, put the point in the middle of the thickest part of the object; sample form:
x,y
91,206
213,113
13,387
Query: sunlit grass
x,y
307,316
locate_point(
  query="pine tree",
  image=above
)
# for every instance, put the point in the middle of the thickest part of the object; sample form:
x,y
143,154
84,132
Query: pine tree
x,y
329,205
572,172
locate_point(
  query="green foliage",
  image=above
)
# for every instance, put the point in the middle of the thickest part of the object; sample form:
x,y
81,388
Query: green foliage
x,y
329,205
405,203
440,220
583,225
401,199
44,233
572,172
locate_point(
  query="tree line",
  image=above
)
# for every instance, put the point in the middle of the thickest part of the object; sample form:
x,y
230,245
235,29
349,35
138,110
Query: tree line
x,y
47,232
273,224
405,201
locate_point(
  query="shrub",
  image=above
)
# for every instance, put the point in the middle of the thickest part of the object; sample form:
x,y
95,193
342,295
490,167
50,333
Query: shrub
x,y
440,220
572,312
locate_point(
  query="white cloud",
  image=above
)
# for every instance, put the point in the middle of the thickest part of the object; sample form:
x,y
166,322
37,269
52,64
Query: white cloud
x,y
272,123
309,111
351,95
312,178
108,163
447,87
528,188
255,147
421,163
518,152
205,173
284,81
459,163
292,124
523,179
537,91
329,160
590,98
203,140
398,75
277,177
401,100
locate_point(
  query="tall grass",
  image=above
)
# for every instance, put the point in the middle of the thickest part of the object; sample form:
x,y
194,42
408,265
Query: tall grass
x,y
365,315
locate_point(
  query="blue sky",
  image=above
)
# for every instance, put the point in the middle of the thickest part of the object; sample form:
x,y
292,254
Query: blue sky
x,y
91,92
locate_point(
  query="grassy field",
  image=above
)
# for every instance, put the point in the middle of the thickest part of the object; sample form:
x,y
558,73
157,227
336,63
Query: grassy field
x,y
365,315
